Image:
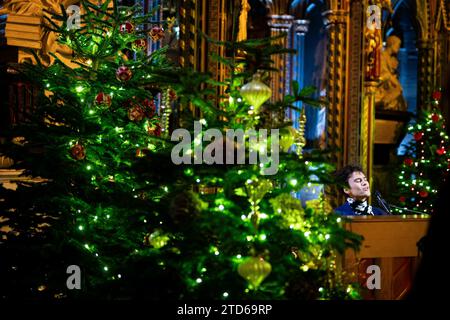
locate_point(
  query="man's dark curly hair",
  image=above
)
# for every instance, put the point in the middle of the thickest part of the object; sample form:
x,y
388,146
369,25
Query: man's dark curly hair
x,y
342,175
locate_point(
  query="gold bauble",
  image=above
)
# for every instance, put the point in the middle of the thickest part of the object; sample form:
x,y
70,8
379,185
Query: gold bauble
x,y
256,92
254,270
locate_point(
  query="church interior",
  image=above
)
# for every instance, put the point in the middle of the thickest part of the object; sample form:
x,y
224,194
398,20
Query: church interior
x,y
95,200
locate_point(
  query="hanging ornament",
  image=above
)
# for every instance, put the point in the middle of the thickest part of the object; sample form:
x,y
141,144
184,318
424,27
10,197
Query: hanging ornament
x,y
139,44
136,113
78,152
287,138
154,130
157,239
435,117
437,95
256,92
408,162
123,73
423,194
254,270
418,136
440,151
103,99
126,27
300,140
166,110
402,199
149,107
156,33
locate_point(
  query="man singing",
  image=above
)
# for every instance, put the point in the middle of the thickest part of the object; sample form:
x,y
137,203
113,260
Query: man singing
x,y
356,188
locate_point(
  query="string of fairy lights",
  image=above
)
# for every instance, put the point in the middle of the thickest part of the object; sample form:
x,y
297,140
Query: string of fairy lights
x,y
100,51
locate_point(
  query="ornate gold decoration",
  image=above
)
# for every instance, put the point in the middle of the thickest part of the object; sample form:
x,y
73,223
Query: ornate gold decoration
x,y
445,16
243,17
336,22
355,83
372,52
390,93
300,140
21,13
166,110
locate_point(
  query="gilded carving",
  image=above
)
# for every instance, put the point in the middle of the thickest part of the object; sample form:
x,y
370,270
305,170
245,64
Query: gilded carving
x,y
389,95
48,42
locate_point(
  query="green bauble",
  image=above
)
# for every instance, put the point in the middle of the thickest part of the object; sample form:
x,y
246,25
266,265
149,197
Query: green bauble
x,y
256,92
287,138
158,240
254,270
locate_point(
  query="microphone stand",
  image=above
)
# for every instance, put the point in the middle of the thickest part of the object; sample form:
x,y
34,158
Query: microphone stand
x,y
382,203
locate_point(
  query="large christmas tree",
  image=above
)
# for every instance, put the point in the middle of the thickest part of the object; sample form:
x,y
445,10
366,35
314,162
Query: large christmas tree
x,y
426,162
113,198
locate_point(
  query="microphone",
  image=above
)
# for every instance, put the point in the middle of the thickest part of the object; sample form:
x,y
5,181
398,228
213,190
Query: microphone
x,y
383,204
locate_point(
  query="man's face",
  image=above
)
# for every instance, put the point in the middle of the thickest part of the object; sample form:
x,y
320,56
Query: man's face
x,y
359,186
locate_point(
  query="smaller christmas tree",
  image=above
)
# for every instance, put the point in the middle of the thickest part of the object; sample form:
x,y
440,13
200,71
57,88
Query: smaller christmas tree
x,y
426,162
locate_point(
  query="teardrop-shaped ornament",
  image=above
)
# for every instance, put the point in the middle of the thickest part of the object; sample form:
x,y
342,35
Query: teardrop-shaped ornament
x,y
254,270
256,92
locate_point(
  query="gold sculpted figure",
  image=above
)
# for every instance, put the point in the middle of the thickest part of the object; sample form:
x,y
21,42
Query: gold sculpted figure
x,y
389,95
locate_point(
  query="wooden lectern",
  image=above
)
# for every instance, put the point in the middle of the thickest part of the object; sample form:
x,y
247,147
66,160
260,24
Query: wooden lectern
x,y
391,243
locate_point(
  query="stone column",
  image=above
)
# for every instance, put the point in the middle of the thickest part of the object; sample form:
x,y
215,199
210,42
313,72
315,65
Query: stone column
x,y
298,63
336,22
280,80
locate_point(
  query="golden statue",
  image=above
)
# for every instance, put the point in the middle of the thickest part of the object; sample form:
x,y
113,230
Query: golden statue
x,y
389,95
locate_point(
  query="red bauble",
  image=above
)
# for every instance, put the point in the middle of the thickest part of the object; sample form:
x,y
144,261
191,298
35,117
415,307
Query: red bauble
x,y
126,27
154,130
139,44
418,136
437,95
423,193
136,113
440,151
146,106
149,107
140,153
402,199
435,117
123,73
408,162
172,95
103,99
156,33
78,152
